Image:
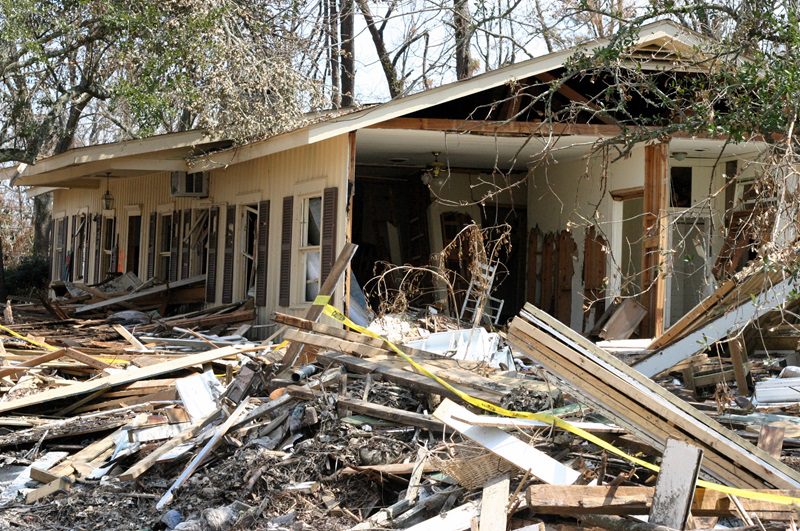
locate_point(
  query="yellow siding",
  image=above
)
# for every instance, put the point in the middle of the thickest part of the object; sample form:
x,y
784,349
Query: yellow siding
x,y
299,171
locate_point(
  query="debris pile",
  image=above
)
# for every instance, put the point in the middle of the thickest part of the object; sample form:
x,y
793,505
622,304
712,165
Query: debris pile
x,y
136,421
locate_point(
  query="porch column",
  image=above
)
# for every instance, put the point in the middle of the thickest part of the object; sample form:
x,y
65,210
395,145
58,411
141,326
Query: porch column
x,y
656,237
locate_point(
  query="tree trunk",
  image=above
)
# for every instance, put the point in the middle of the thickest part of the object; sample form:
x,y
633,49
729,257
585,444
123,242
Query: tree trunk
x,y
3,289
347,14
41,218
395,85
461,25
334,53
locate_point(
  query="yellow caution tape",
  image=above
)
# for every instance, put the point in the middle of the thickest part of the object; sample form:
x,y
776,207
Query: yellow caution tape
x,y
550,419
31,341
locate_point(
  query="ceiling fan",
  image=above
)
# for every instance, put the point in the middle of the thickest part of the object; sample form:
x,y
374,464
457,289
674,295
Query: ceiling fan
x,y
433,170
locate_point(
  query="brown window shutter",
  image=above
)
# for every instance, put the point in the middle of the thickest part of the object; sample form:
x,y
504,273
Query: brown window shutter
x,y
62,265
213,242
328,241
187,226
98,246
73,226
262,253
174,245
151,246
227,271
286,251
87,233
112,266
51,228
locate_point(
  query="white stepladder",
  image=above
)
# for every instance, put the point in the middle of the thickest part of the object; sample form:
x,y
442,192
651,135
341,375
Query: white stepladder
x,y
478,301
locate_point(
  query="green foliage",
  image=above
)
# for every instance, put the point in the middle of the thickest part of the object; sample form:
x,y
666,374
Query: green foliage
x,y
28,275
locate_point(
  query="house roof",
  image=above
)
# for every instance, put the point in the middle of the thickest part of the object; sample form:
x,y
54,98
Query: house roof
x,y
657,41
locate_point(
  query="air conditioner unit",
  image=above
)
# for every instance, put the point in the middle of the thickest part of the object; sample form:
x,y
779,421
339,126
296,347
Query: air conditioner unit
x,y
186,184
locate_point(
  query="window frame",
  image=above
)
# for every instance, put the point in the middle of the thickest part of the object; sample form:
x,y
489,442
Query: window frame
x,y
306,250
163,252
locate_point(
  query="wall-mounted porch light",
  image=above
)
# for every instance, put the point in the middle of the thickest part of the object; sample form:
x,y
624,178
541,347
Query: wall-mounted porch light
x,y
108,199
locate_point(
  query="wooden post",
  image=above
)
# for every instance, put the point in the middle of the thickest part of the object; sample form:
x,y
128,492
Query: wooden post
x,y
328,286
493,504
656,236
739,361
675,485
770,439
348,213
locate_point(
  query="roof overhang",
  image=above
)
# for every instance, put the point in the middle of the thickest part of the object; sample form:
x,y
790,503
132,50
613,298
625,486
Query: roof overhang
x,y
149,155
129,158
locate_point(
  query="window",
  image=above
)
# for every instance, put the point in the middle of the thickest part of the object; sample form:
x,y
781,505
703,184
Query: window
x,y
197,239
134,249
164,246
108,237
189,184
310,234
249,232
79,247
681,179
59,248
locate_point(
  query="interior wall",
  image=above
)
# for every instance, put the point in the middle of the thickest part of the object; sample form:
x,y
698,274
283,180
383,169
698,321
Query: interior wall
x,y
572,194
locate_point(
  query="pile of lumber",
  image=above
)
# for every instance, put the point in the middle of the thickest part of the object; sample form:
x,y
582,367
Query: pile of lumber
x,y
183,423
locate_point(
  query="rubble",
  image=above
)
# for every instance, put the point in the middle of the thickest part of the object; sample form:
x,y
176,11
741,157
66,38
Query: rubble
x,y
134,420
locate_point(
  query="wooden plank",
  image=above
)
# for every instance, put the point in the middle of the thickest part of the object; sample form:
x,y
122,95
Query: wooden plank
x,y
770,439
606,499
493,504
739,361
726,452
201,456
522,455
130,338
689,320
57,485
624,321
328,286
728,323
86,359
122,377
143,465
328,330
675,485
33,362
155,290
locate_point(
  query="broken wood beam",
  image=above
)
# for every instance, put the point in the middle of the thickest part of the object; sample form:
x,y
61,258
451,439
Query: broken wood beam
x,y
640,405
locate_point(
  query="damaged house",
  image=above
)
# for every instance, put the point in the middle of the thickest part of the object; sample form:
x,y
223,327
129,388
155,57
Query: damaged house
x,y
401,179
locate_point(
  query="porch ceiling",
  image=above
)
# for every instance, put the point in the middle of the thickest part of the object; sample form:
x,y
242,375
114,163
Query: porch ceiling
x,y
413,148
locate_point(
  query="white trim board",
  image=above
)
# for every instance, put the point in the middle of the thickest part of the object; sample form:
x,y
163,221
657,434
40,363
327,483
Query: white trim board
x,y
522,455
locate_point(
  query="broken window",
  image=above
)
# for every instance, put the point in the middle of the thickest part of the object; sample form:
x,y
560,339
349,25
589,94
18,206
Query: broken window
x,y
164,245
79,246
197,239
310,232
249,230
108,239
59,249
681,179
